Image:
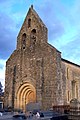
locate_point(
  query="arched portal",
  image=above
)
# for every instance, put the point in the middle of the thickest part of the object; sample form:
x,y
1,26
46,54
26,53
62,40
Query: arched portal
x,y
25,94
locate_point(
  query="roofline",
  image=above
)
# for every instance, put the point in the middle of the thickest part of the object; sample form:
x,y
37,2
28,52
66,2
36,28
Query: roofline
x,y
54,48
70,62
31,8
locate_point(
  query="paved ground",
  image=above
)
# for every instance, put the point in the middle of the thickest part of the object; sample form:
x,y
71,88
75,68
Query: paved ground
x,y
9,117
6,117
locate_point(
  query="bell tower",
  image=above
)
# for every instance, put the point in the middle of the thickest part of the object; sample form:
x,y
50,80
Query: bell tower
x,y
33,31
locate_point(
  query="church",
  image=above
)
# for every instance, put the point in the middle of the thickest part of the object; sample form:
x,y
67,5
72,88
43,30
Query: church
x,y
36,72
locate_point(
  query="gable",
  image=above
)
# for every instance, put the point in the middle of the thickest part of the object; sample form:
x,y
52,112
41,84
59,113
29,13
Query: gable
x,y
32,22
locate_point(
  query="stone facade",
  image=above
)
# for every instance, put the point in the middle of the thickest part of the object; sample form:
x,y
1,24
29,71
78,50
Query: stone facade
x,y
35,72
71,81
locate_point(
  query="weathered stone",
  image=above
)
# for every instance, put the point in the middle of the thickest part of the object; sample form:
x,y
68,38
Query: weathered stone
x,y
35,71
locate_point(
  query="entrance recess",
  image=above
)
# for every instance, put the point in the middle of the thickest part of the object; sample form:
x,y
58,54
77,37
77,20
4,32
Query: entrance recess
x,y
26,94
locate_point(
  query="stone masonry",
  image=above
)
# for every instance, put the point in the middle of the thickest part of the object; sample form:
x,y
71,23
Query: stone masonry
x,y
35,71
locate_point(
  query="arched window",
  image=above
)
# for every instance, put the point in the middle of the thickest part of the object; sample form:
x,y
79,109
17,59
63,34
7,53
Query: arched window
x,y
73,89
33,31
29,22
24,36
33,36
24,40
68,95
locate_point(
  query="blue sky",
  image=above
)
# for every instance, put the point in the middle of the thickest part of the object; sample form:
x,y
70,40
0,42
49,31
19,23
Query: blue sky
x,y
62,18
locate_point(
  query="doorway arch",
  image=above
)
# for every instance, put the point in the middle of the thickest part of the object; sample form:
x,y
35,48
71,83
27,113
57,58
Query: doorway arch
x,y
26,93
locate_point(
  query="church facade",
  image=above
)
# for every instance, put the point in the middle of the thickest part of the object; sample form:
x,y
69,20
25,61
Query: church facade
x,y
35,71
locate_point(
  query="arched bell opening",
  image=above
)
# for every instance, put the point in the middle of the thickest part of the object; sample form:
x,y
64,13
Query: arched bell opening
x,y
24,41
33,37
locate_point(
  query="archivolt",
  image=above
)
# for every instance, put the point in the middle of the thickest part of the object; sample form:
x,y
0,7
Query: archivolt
x,y
25,94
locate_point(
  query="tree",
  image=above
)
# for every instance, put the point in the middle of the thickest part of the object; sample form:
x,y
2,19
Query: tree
x,y
1,89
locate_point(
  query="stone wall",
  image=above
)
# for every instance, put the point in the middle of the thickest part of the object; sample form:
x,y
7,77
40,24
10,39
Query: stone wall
x,y
35,70
37,63
70,77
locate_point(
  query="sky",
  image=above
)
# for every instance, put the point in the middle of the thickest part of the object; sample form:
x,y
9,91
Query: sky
x,y
61,17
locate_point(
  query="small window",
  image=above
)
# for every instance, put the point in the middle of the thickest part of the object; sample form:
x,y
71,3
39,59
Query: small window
x,y
33,36
33,31
68,95
24,41
67,73
73,89
29,23
24,36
